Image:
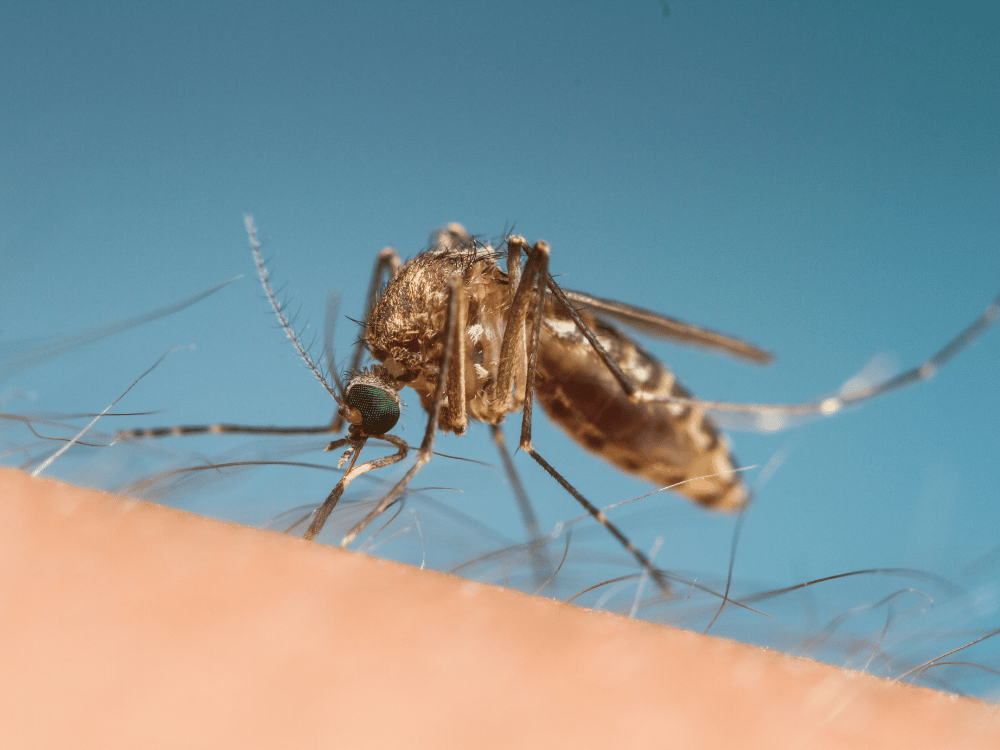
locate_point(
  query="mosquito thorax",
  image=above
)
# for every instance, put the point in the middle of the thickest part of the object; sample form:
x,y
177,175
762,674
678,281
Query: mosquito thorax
x,y
371,401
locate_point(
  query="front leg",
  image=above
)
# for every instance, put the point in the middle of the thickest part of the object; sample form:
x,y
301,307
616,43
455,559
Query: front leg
x,y
456,295
387,264
323,511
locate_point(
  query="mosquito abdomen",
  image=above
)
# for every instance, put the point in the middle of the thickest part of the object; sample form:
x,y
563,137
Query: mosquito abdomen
x,y
662,442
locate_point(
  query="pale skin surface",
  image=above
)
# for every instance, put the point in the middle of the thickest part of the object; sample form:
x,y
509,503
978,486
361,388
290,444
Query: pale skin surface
x,y
130,625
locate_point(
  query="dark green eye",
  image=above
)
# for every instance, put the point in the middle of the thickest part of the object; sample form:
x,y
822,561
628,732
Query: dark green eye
x,y
379,408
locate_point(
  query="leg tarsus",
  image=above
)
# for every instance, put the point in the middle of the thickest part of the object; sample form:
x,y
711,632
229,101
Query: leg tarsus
x,y
655,573
323,511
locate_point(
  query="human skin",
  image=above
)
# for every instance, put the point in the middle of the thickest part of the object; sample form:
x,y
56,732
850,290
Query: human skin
x,y
126,624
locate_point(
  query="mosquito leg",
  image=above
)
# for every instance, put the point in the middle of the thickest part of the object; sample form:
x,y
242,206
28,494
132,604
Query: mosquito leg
x,y
456,296
514,247
539,560
541,251
926,370
655,573
516,317
329,324
218,429
532,354
388,263
771,417
324,510
627,384
528,517
454,417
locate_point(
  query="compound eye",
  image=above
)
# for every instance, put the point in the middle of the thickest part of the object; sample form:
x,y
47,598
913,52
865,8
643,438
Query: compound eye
x,y
379,408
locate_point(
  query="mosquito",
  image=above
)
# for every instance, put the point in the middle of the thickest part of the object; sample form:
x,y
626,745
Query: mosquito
x,y
477,342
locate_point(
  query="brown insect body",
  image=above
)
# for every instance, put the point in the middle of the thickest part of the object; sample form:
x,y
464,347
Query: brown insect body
x,y
662,442
405,328
479,342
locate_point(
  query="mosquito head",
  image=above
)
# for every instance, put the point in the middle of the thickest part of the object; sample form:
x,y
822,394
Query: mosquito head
x,y
371,401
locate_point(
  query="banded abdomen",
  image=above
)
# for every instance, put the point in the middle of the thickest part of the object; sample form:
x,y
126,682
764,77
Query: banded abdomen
x,y
664,443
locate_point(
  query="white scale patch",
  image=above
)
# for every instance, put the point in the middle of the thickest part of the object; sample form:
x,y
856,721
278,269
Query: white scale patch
x,y
561,327
640,373
475,332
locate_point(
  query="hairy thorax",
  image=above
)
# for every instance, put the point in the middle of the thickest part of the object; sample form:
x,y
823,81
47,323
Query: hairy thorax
x,y
405,330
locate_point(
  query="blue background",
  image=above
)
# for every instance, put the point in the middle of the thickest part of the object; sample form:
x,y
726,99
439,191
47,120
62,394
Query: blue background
x,y
821,179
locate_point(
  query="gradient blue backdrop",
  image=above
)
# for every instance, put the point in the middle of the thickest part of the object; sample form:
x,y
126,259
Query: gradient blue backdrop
x,y
822,179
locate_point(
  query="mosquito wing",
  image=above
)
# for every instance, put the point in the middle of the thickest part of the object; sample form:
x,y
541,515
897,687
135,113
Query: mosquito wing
x,y
654,324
